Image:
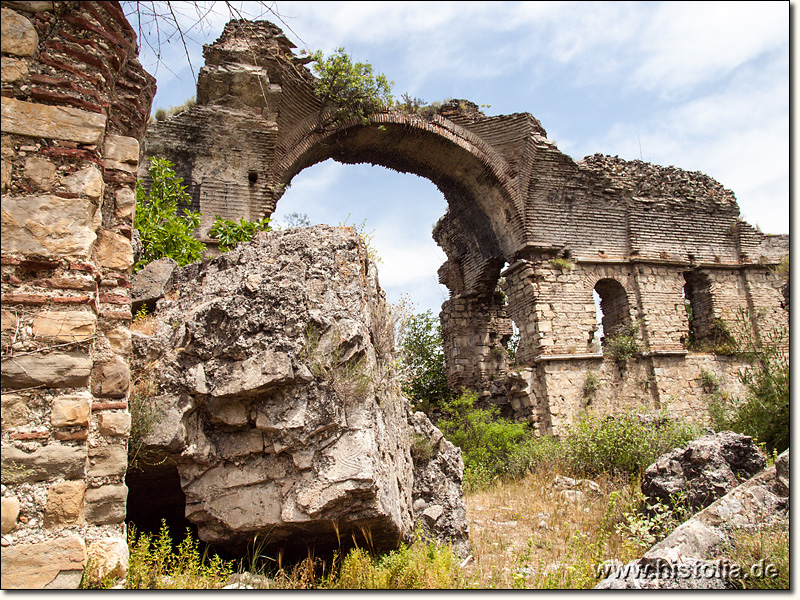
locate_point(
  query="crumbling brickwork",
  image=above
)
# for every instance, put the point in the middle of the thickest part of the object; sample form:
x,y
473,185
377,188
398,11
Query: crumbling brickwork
x,y
75,103
552,232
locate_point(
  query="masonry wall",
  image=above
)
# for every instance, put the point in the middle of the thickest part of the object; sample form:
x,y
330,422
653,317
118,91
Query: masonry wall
x,y
75,103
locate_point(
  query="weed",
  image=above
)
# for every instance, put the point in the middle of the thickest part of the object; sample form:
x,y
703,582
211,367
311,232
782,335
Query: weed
x,y
421,565
144,415
12,472
563,264
349,378
709,382
766,547
154,564
491,447
626,443
622,344
590,385
422,449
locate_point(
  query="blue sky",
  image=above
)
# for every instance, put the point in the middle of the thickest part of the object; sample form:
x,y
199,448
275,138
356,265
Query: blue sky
x,y
701,86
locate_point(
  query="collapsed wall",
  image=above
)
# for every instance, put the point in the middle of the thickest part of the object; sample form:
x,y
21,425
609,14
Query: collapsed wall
x,y
75,102
270,377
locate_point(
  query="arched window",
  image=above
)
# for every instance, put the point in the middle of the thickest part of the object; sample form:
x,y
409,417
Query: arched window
x,y
699,309
614,312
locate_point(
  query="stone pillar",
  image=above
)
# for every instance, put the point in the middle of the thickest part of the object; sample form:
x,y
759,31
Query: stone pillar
x,y
475,331
75,102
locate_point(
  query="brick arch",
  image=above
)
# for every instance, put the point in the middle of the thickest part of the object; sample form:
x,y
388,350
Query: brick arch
x,y
484,226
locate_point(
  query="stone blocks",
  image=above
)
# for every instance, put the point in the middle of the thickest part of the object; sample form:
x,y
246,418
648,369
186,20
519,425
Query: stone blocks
x,y
72,117
54,122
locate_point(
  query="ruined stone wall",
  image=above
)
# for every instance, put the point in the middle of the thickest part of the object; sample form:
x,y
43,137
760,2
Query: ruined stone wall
x,y
75,102
549,230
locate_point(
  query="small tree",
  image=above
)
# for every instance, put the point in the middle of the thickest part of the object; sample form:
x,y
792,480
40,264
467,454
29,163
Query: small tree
x,y
351,88
163,231
422,356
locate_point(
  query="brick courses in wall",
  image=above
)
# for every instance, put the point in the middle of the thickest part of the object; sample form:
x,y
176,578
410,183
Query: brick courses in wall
x,y
75,103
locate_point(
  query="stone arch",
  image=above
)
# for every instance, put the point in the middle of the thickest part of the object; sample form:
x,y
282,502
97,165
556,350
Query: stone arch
x,y
483,225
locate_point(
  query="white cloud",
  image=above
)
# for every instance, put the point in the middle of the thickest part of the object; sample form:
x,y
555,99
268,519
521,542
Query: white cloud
x,y
688,43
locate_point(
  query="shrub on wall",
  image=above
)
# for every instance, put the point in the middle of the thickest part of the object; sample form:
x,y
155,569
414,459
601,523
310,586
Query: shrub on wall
x,y
764,411
351,88
163,231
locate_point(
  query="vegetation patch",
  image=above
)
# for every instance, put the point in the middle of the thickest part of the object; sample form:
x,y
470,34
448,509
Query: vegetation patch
x,y
623,344
163,231
625,444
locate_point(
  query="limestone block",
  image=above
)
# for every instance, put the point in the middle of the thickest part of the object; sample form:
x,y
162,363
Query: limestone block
x,y
125,203
40,172
6,168
55,460
106,505
782,473
107,558
116,424
71,411
121,153
88,181
9,320
15,411
52,122
48,225
113,251
32,6
55,370
54,564
64,504
105,461
13,70
64,326
120,340
19,37
111,378
153,282
9,513
255,375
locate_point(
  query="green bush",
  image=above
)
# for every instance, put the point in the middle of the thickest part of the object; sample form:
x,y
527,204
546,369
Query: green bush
x,y
421,565
625,444
622,344
155,564
230,233
492,447
351,88
764,411
162,231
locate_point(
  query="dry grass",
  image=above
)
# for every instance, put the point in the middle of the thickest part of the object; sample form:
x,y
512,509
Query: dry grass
x,y
524,534
146,324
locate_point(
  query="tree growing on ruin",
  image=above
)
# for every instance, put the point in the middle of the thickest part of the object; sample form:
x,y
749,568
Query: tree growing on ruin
x,y
351,88
422,355
163,230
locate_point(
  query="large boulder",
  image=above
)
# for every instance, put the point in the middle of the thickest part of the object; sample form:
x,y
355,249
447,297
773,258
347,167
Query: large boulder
x,y
152,283
438,501
706,469
277,400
